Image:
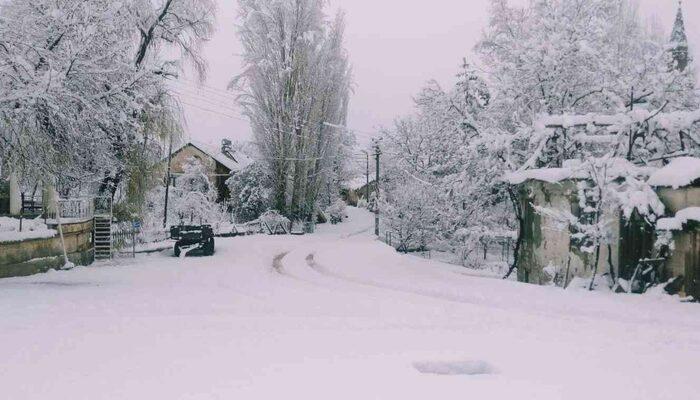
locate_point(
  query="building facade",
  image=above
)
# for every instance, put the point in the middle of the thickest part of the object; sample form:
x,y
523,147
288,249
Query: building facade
x,y
219,163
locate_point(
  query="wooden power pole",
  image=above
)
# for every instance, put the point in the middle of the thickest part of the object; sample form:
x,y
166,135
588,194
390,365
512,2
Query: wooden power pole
x,y
377,154
167,183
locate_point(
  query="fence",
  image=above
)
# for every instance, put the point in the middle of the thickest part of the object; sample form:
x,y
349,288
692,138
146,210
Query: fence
x,y
476,253
128,239
75,209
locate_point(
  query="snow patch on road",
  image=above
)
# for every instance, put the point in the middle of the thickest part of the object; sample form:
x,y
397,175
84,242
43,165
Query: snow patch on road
x,y
470,367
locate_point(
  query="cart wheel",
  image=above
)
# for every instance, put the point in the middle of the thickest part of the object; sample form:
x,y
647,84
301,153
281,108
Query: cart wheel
x,y
209,247
177,251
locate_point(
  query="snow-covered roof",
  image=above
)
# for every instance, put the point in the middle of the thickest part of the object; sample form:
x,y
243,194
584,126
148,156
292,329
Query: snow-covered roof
x,y
241,161
682,218
573,170
216,154
679,173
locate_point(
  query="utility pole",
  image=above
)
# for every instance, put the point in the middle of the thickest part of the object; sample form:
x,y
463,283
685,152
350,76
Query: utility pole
x,y
630,141
377,153
367,176
167,182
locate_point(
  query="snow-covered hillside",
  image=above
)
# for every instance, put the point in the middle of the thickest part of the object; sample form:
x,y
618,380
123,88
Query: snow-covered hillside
x,y
336,315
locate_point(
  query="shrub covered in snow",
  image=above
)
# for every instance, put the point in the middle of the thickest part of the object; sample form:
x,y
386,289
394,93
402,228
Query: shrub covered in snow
x,y
362,203
273,219
336,212
194,196
191,201
411,217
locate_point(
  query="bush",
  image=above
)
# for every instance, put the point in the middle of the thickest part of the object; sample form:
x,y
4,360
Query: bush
x,y
337,211
273,218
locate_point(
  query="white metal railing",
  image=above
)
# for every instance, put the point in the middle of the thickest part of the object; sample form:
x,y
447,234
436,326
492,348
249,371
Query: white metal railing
x,y
76,208
82,208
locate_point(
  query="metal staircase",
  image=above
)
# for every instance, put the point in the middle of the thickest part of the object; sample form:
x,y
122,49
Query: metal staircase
x,y
103,238
102,231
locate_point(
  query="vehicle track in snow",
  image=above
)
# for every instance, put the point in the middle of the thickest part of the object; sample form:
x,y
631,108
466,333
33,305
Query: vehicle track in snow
x,y
320,269
277,265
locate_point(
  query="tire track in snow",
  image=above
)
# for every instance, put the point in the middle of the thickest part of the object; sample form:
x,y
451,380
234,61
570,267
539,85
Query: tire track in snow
x,y
277,265
358,233
311,262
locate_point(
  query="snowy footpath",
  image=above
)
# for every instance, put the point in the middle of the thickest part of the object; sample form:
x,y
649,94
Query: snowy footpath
x,y
336,315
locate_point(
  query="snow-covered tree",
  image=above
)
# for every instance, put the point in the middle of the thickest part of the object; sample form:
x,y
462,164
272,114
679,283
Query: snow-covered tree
x,y
294,89
411,216
82,88
250,193
435,152
578,59
193,199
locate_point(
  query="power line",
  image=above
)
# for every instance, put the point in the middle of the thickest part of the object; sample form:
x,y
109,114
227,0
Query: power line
x,y
198,92
209,102
204,88
213,111
204,93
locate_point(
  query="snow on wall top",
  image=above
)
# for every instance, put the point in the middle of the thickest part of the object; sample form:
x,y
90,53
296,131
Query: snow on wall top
x,y
549,175
671,121
682,218
573,170
679,173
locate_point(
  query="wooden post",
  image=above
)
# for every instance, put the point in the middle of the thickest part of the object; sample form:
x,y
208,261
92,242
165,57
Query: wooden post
x,y
133,239
21,213
68,264
15,196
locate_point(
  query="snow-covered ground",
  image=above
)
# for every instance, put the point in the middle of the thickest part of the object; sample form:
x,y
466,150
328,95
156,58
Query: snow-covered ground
x,y
31,229
336,315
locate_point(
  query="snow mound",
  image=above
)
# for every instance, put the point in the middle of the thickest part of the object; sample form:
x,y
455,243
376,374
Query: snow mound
x,y
549,175
31,229
682,218
679,173
473,367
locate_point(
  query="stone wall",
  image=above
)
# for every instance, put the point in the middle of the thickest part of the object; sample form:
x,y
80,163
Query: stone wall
x,y
546,254
679,199
35,256
684,261
685,258
547,245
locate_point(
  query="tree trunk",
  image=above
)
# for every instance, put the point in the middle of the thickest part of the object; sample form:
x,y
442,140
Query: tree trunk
x,y
595,268
521,231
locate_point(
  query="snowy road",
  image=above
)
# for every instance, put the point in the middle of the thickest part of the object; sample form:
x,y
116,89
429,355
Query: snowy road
x,y
335,315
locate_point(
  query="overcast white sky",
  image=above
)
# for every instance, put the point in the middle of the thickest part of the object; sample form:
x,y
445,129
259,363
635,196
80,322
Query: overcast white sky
x,y
395,47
